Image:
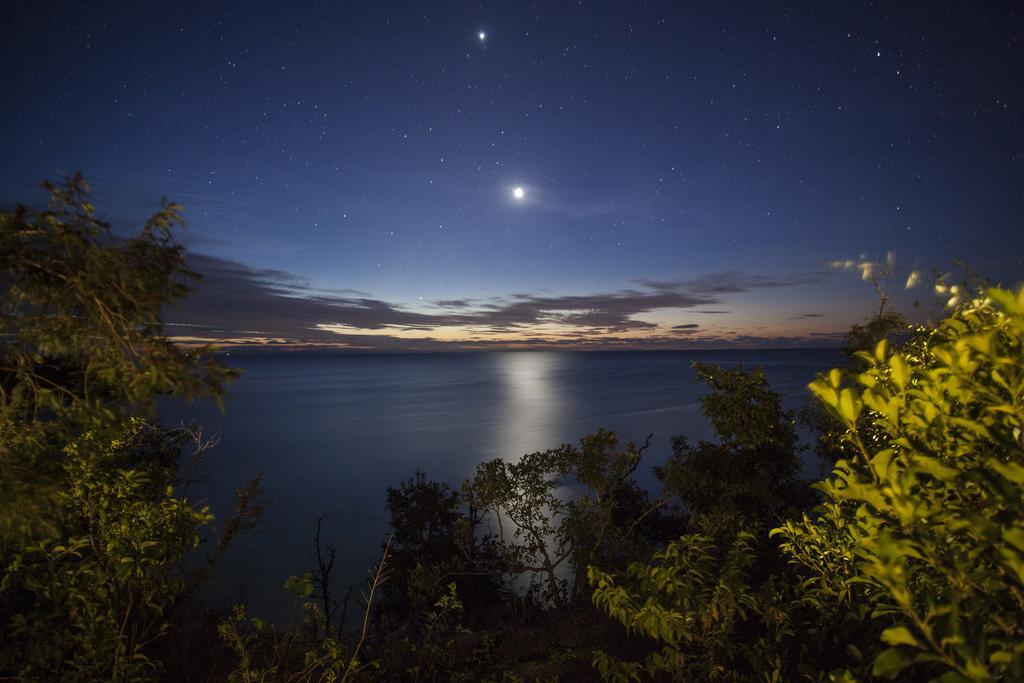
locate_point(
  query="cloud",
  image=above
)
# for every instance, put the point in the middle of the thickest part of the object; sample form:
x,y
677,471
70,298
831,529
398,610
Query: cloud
x,y
807,316
235,302
454,303
732,282
234,297
611,311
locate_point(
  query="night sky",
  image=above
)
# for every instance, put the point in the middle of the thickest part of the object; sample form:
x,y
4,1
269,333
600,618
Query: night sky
x,y
687,171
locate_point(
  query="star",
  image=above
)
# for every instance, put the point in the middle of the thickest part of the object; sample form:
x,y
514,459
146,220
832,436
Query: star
x,y
482,36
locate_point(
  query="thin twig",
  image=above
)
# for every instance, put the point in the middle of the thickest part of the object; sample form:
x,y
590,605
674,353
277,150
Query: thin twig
x,y
378,579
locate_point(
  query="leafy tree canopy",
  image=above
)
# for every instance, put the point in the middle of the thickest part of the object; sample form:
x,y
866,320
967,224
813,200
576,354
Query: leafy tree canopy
x,y
81,338
927,524
94,520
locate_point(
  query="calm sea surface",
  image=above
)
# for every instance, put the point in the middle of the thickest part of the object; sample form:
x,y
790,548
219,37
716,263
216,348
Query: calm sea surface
x,y
331,433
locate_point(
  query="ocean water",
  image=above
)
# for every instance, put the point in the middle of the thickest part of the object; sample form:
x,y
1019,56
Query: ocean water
x,y
331,433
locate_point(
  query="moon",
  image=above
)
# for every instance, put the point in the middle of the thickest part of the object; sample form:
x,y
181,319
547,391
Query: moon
x,y
518,192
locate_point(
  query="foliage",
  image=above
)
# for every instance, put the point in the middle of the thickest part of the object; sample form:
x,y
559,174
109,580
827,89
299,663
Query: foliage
x,y
555,513
425,520
926,527
94,521
244,636
612,520
434,652
691,600
425,516
541,525
750,475
309,653
708,603
912,566
81,340
435,542
96,594
884,324
525,494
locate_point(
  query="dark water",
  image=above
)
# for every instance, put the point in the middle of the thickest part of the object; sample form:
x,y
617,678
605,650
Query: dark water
x,y
331,433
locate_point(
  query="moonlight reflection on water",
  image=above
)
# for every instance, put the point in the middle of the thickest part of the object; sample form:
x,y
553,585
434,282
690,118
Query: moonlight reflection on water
x,y
532,412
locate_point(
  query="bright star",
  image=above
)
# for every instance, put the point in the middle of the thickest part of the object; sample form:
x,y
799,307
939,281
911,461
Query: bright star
x,y
482,36
518,193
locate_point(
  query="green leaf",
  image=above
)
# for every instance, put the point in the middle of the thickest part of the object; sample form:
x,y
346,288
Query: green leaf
x,y
880,350
1004,300
899,635
977,671
900,371
1015,537
880,463
891,662
935,468
849,406
1012,471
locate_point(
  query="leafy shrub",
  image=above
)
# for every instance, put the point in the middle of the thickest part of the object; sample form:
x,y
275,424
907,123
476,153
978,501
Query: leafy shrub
x,y
691,600
81,341
750,475
311,652
436,543
925,528
92,529
95,595
558,510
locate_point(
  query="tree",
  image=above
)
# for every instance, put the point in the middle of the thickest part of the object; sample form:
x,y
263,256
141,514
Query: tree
x,y
525,494
885,323
435,543
925,527
711,605
90,600
557,511
81,340
750,476
693,600
94,519
612,519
